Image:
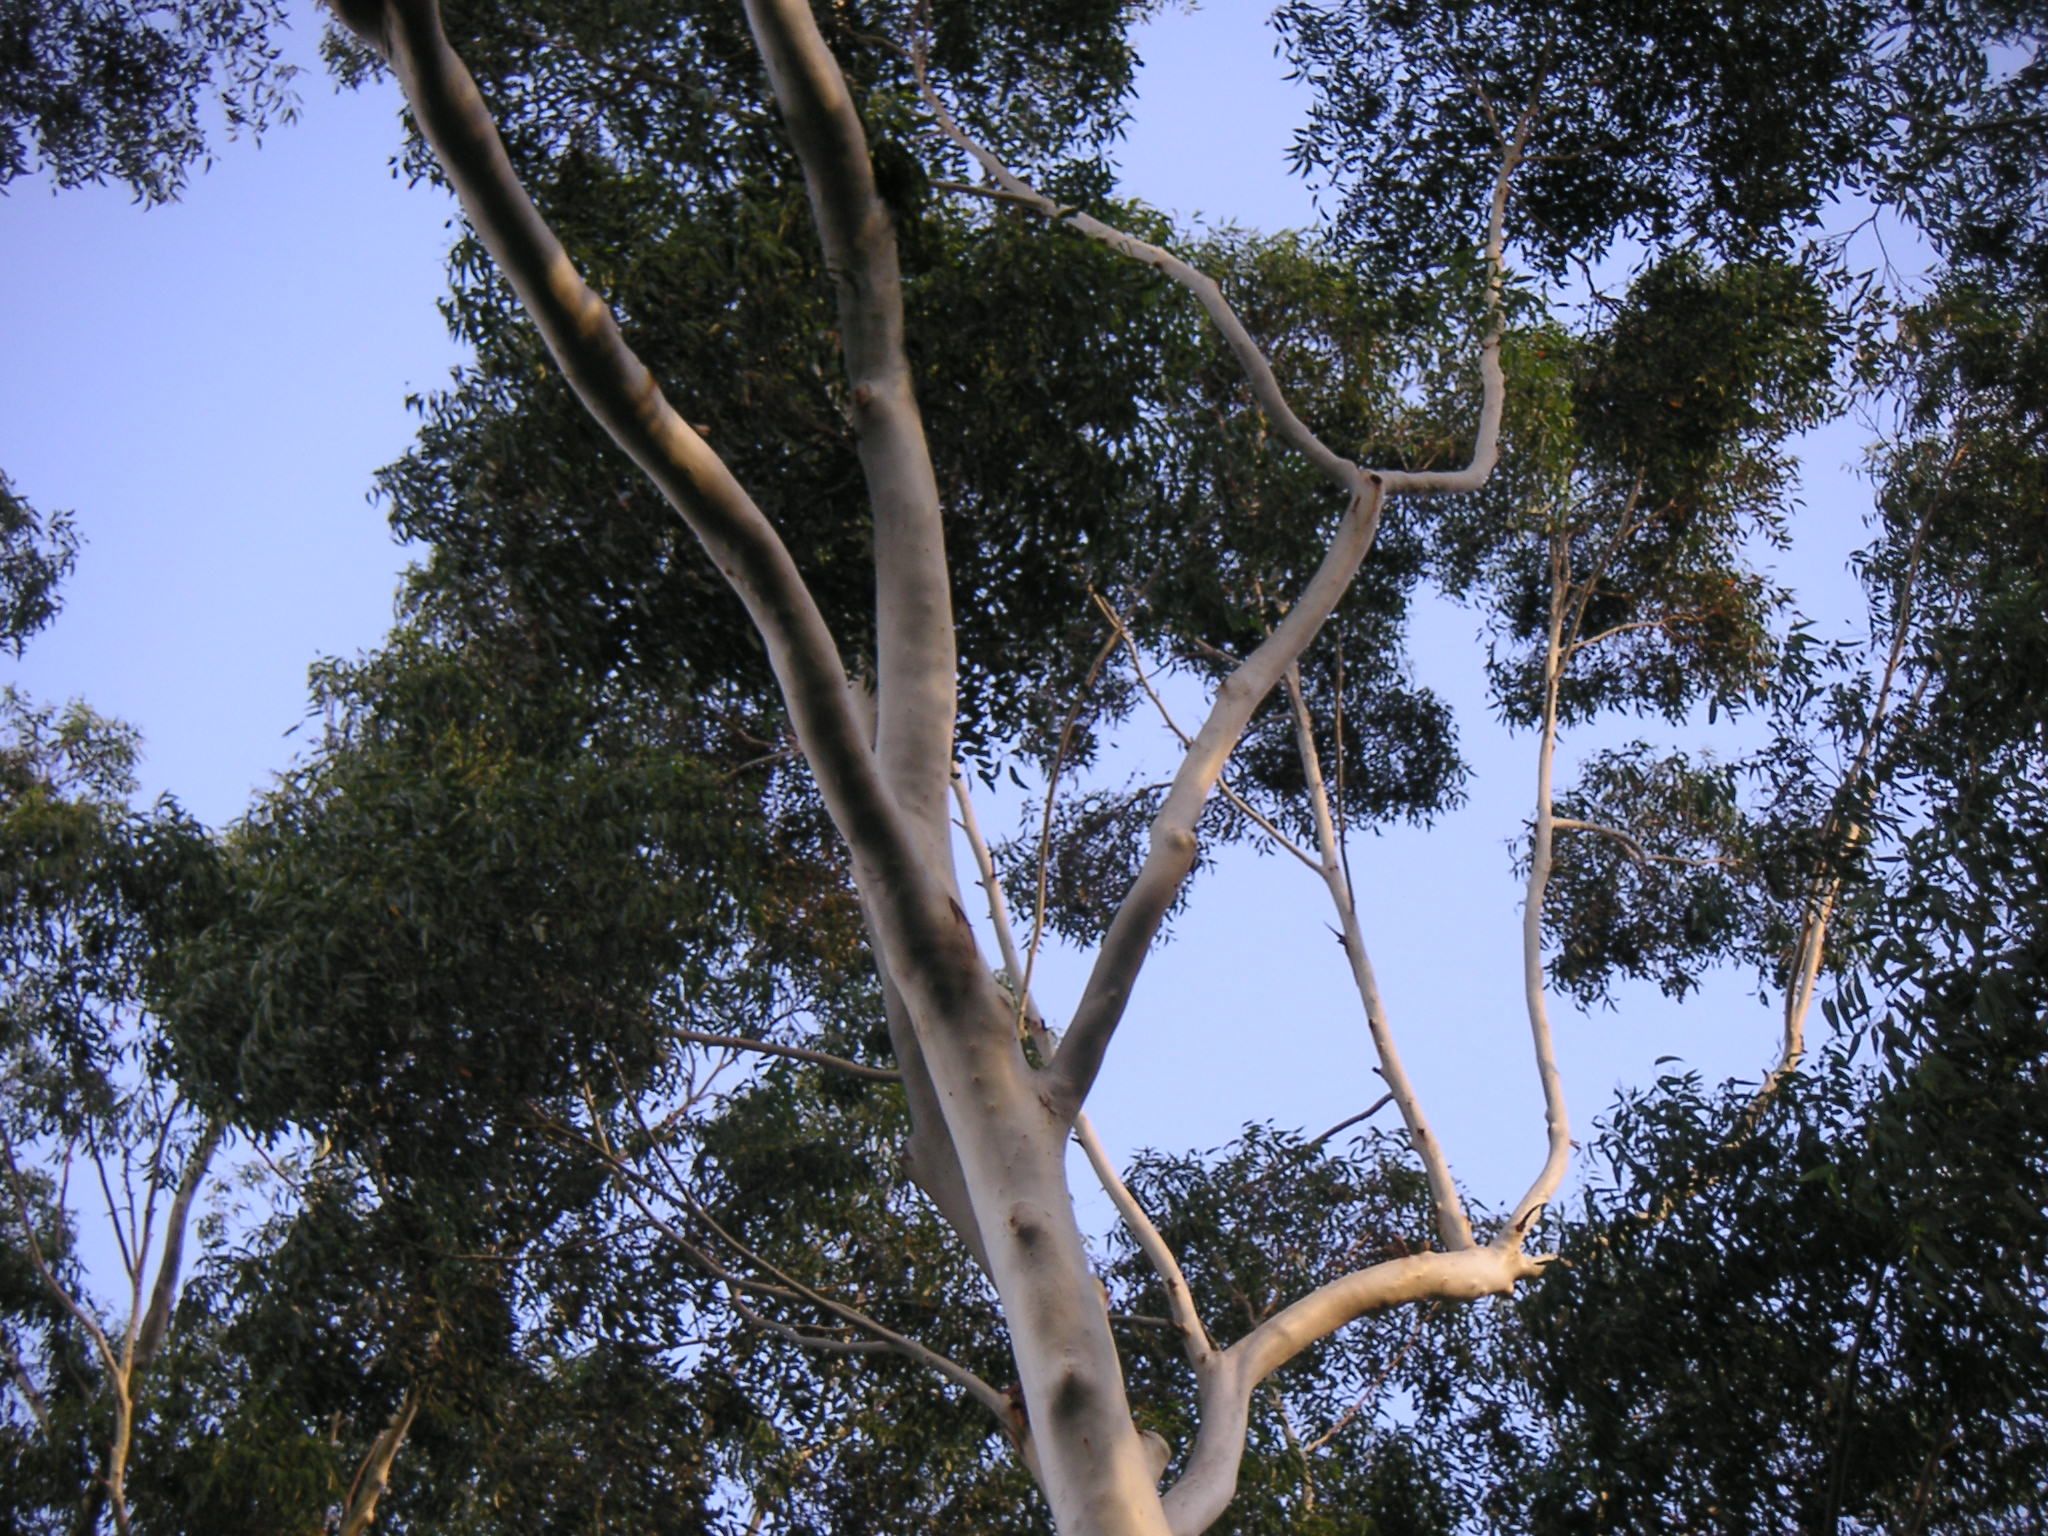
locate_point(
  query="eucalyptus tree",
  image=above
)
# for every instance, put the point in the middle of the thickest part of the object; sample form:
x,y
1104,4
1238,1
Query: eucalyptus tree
x,y
668,770
83,1095
1479,113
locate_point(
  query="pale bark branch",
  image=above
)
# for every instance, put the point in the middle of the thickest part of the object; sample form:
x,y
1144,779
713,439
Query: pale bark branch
x,y
1624,530
1265,386
915,660
1826,889
1180,1301
131,1263
1453,1226
1209,1482
1373,1388
1244,807
932,977
1272,399
1663,621
824,1343
996,1402
163,1295
1171,855
1557,1120
1634,848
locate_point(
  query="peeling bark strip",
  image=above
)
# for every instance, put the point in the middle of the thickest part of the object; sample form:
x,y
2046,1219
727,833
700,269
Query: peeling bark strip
x,y
989,1128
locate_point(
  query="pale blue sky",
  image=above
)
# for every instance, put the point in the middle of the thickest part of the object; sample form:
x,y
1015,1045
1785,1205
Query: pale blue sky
x,y
209,386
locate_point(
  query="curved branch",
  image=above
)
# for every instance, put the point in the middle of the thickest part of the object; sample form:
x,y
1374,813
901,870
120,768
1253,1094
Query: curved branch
x,y
1631,846
1266,390
1272,399
629,1180
1021,979
1209,1482
1171,855
1556,1119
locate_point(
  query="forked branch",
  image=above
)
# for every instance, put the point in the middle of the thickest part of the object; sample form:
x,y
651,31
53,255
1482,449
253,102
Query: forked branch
x,y
1180,1303
912,910
1170,857
1209,1481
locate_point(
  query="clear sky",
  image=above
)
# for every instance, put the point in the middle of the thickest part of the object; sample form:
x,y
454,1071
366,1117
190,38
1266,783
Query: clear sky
x,y
209,387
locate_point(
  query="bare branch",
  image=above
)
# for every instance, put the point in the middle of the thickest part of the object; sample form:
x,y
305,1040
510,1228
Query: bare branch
x,y
1664,621
1251,358
628,1180
831,1344
1846,833
1349,1121
793,1052
1186,1321
373,1477
24,1383
1180,1301
1453,1227
41,1261
1634,849
1172,850
1557,1122
1373,1388
1210,1479
1265,386
1624,530
1244,807
157,1321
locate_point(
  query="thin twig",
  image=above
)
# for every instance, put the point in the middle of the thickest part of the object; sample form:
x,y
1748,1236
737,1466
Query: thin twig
x,y
794,1052
1349,1121
1052,790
